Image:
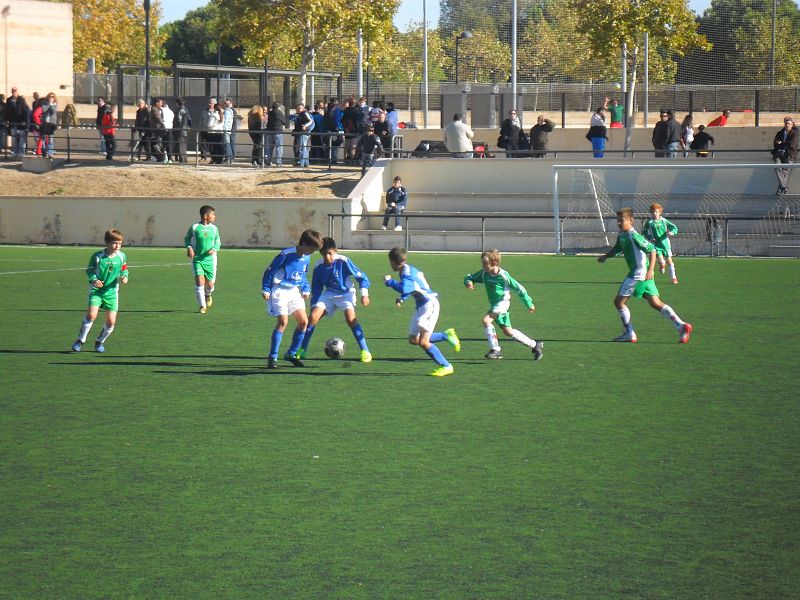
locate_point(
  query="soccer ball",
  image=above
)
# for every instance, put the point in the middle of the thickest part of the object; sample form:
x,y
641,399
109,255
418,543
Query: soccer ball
x,y
617,86
334,347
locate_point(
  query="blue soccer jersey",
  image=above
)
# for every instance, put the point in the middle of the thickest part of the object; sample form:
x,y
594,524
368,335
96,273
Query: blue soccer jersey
x,y
412,283
337,277
287,270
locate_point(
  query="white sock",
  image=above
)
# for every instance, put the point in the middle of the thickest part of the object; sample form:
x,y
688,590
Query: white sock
x,y
672,271
85,327
491,337
199,292
667,311
104,334
523,339
209,291
625,315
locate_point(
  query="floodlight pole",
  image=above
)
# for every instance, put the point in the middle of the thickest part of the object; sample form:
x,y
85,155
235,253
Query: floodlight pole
x,y
146,53
424,66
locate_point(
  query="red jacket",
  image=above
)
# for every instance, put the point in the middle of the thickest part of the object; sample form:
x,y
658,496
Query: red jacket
x,y
109,124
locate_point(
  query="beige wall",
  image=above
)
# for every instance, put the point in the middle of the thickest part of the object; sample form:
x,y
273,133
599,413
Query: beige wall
x,y
38,36
243,222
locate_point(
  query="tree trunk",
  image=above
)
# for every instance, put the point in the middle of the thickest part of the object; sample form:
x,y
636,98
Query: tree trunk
x,y
307,55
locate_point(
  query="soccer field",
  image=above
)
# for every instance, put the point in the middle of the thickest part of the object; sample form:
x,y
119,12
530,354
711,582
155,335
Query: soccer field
x,y
176,465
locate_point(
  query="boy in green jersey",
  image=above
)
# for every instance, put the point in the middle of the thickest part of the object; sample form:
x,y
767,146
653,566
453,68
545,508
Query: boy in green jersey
x,y
657,230
202,243
641,258
499,284
107,269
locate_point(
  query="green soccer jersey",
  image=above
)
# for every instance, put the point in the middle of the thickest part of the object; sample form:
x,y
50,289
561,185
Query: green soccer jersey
x,y
617,112
499,287
202,238
108,269
636,250
658,231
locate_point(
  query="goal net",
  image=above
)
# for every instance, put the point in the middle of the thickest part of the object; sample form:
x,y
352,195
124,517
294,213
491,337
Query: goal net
x,y
719,208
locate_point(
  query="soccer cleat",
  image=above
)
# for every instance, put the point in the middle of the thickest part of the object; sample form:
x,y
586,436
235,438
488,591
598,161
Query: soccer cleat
x,y
494,354
686,331
538,351
292,358
99,347
209,301
452,338
272,363
203,310
662,269
627,336
76,347
675,280
443,371
301,353
366,357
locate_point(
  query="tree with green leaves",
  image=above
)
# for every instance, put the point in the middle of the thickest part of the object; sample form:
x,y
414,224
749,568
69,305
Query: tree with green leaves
x,y
289,33
613,26
197,38
112,32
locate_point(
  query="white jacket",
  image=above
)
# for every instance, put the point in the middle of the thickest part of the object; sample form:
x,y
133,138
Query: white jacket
x,y
458,137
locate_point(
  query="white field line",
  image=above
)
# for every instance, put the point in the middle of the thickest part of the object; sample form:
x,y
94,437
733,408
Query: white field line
x,y
183,264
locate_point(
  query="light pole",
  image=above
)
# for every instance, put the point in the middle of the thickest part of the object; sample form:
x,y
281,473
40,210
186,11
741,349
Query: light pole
x,y
5,13
146,52
464,35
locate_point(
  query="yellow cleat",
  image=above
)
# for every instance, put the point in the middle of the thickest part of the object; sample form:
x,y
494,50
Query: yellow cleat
x,y
366,357
453,339
443,371
209,301
203,310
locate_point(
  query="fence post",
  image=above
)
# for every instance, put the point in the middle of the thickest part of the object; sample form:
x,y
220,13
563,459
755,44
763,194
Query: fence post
x,y
757,106
563,110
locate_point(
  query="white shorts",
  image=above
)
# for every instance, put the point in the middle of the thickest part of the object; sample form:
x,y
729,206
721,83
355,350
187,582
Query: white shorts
x,y
425,318
627,287
331,301
285,301
501,307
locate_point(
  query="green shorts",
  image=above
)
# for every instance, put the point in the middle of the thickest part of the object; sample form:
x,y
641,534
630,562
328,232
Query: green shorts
x,y
105,299
646,287
501,313
205,267
663,248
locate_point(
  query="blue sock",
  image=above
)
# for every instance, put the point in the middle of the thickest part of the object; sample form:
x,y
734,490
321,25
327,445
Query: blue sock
x,y
275,344
437,355
297,339
307,338
437,337
358,333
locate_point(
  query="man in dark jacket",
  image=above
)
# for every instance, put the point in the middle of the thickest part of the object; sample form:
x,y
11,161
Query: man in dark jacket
x,y
157,130
539,135
784,151
142,125
666,135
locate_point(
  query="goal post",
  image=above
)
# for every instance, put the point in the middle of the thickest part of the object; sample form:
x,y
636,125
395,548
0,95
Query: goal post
x,y
730,207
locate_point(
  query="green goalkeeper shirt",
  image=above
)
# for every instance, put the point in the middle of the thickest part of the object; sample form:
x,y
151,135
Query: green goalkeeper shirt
x,y
499,286
202,238
658,230
108,269
636,250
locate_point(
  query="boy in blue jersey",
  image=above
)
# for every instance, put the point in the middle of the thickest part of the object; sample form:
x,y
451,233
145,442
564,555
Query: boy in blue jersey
x,y
332,288
285,287
420,331
640,255
106,270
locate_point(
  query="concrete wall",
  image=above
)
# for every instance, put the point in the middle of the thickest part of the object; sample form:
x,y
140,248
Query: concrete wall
x,y
38,38
243,222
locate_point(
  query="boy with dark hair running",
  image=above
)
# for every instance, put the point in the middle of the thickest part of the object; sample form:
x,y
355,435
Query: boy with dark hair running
x,y
202,244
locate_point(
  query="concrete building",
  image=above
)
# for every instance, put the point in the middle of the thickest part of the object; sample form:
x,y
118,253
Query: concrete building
x,y
36,48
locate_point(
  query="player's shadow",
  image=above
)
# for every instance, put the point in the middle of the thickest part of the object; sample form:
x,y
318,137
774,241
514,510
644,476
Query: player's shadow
x,y
73,310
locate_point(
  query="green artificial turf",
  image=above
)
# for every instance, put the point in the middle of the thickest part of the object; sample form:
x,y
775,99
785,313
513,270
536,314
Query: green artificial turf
x,y
175,465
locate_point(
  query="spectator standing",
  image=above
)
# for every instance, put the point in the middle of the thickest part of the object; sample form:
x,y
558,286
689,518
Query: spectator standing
x,y
303,127
109,128
701,141
370,147
539,136
141,128
332,124
180,129
69,117
784,151
168,115
666,135
273,143
49,124
256,121
3,126
597,134
392,117
216,142
687,134
617,114
351,124
317,140
510,131
721,120
157,131
227,129
209,118
18,114
458,138
101,108
35,127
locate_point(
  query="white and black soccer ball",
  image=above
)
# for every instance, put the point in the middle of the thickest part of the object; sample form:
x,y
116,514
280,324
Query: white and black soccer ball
x,y
334,347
